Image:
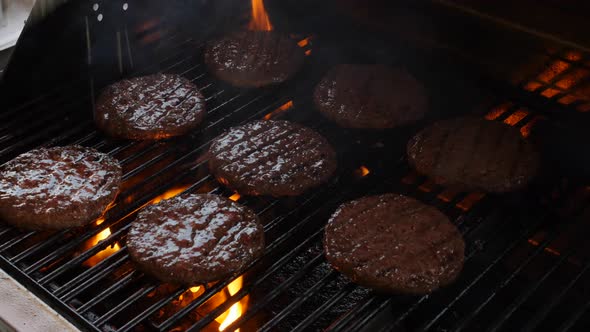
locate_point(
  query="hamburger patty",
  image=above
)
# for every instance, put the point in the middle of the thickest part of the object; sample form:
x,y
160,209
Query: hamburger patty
x,y
55,188
471,153
277,158
394,243
254,58
192,239
370,96
150,107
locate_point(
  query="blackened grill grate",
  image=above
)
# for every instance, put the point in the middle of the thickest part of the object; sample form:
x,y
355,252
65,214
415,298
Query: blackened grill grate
x,y
291,287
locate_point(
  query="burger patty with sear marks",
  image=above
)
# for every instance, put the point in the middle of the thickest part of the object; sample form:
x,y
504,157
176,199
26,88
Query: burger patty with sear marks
x,y
277,158
393,243
472,153
150,107
370,96
56,188
193,239
252,59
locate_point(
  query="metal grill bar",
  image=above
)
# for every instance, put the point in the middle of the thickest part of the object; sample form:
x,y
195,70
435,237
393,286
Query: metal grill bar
x,y
153,308
244,291
72,293
126,303
299,300
109,291
468,257
270,296
545,309
7,245
99,270
5,230
327,305
466,289
575,317
369,316
507,313
462,324
343,321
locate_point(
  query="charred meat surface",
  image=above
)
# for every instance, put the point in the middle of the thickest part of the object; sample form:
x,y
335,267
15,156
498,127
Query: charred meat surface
x,y
150,107
252,59
370,96
277,158
471,153
393,243
192,239
55,188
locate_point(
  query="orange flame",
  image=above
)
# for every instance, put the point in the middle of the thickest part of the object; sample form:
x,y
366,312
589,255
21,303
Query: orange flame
x,y
260,20
168,194
235,197
236,310
362,171
106,252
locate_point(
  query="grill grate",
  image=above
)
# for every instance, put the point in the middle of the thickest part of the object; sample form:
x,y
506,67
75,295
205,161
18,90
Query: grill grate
x,y
291,286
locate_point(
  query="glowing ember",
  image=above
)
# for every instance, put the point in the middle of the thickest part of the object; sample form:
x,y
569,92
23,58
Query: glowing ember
x,y
447,195
553,70
285,107
308,53
303,42
427,186
532,86
550,92
195,289
567,99
573,56
260,20
235,311
515,117
235,197
468,202
569,80
168,194
498,111
525,131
